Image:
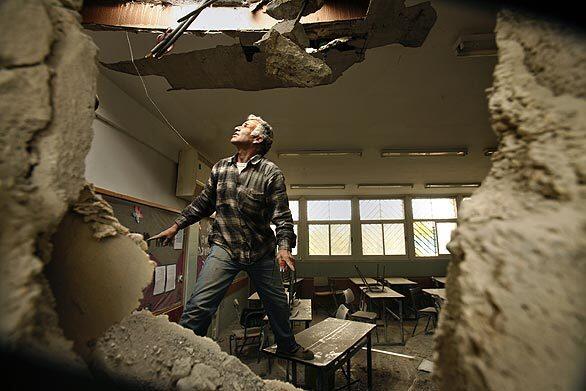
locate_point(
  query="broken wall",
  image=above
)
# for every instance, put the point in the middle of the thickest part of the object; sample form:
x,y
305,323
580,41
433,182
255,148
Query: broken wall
x,y
516,296
47,88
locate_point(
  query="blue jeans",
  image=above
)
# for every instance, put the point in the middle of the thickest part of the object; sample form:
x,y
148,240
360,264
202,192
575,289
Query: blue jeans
x,y
214,280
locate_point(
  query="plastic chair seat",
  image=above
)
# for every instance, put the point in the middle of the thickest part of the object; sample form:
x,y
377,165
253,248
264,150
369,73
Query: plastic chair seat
x,y
364,315
429,310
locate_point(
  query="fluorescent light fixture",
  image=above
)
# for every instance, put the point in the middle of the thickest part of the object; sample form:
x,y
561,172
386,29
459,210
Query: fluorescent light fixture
x,y
489,151
450,185
300,186
474,45
384,185
319,152
423,152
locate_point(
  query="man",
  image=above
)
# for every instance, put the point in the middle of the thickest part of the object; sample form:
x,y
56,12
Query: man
x,y
247,192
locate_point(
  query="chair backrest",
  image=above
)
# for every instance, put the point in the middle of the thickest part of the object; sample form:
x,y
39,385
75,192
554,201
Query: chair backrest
x,y
419,300
252,317
342,312
321,281
348,296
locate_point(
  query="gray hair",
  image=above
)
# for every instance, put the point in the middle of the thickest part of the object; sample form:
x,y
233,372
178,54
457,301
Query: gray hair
x,y
265,130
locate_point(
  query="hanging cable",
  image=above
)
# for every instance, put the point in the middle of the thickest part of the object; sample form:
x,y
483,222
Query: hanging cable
x,y
147,92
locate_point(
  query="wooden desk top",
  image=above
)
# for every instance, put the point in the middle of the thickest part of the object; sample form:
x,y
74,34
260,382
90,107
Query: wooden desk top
x,y
329,339
441,292
388,293
440,279
303,311
358,280
399,281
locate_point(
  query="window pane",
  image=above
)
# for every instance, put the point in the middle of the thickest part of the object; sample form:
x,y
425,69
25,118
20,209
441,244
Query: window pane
x,y
319,239
434,208
318,210
394,239
381,209
340,210
340,239
424,232
294,206
391,209
369,209
328,210
372,239
444,233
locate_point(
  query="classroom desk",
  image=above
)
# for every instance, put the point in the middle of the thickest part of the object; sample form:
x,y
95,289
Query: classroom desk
x,y
439,280
358,280
302,312
382,296
399,281
439,292
334,342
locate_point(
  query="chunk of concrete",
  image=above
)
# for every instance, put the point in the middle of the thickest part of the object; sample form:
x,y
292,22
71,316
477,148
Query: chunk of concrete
x,y
514,319
288,62
289,9
293,31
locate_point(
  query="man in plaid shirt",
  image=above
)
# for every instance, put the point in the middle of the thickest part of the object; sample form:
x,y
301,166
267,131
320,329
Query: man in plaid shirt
x,y
247,192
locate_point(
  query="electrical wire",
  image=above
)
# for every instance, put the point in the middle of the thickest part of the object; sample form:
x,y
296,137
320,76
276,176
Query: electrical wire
x,y
147,92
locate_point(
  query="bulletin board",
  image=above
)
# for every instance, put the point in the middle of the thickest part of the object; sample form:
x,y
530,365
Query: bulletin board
x,y
165,293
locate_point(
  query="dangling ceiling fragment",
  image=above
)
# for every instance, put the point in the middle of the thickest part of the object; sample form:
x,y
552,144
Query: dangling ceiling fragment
x,y
275,49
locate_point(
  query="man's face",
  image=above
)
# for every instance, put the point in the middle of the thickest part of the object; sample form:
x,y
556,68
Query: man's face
x,y
243,134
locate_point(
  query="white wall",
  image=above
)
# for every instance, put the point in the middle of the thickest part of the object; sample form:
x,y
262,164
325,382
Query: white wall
x,y
132,152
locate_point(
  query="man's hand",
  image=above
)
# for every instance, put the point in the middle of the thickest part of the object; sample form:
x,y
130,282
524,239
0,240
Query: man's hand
x,y
168,234
285,260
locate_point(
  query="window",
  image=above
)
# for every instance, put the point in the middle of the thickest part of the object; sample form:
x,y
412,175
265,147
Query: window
x,y
434,219
329,227
294,207
382,227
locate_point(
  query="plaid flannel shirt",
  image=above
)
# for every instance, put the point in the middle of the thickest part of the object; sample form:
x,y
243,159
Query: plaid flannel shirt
x,y
245,205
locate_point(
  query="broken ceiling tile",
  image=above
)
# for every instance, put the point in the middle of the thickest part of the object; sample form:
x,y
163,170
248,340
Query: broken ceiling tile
x,y
288,62
289,9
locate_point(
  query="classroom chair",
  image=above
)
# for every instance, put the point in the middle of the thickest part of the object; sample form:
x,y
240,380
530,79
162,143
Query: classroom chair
x,y
420,303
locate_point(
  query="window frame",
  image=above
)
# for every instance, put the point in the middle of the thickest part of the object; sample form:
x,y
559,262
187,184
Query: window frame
x,y
382,222
457,201
355,228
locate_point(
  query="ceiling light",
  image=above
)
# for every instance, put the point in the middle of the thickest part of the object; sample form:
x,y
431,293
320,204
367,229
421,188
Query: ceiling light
x,y
299,186
489,151
423,152
317,152
384,185
476,45
450,185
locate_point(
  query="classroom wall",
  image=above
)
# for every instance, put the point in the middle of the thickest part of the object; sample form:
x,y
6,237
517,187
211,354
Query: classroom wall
x,y
126,155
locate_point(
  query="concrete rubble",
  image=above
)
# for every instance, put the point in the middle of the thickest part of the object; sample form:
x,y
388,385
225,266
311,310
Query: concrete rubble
x,y
289,9
298,56
149,352
516,296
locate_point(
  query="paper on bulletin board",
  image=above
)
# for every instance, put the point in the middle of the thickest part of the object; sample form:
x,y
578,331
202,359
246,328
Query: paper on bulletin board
x,y
178,243
159,280
171,271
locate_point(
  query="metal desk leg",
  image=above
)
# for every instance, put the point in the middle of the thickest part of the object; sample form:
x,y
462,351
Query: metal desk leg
x,y
294,373
386,320
401,321
369,360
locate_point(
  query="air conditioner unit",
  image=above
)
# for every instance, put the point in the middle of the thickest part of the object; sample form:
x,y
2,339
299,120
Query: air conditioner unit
x,y
192,174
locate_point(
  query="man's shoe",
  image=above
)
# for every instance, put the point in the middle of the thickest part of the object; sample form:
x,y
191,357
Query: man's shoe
x,y
298,352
